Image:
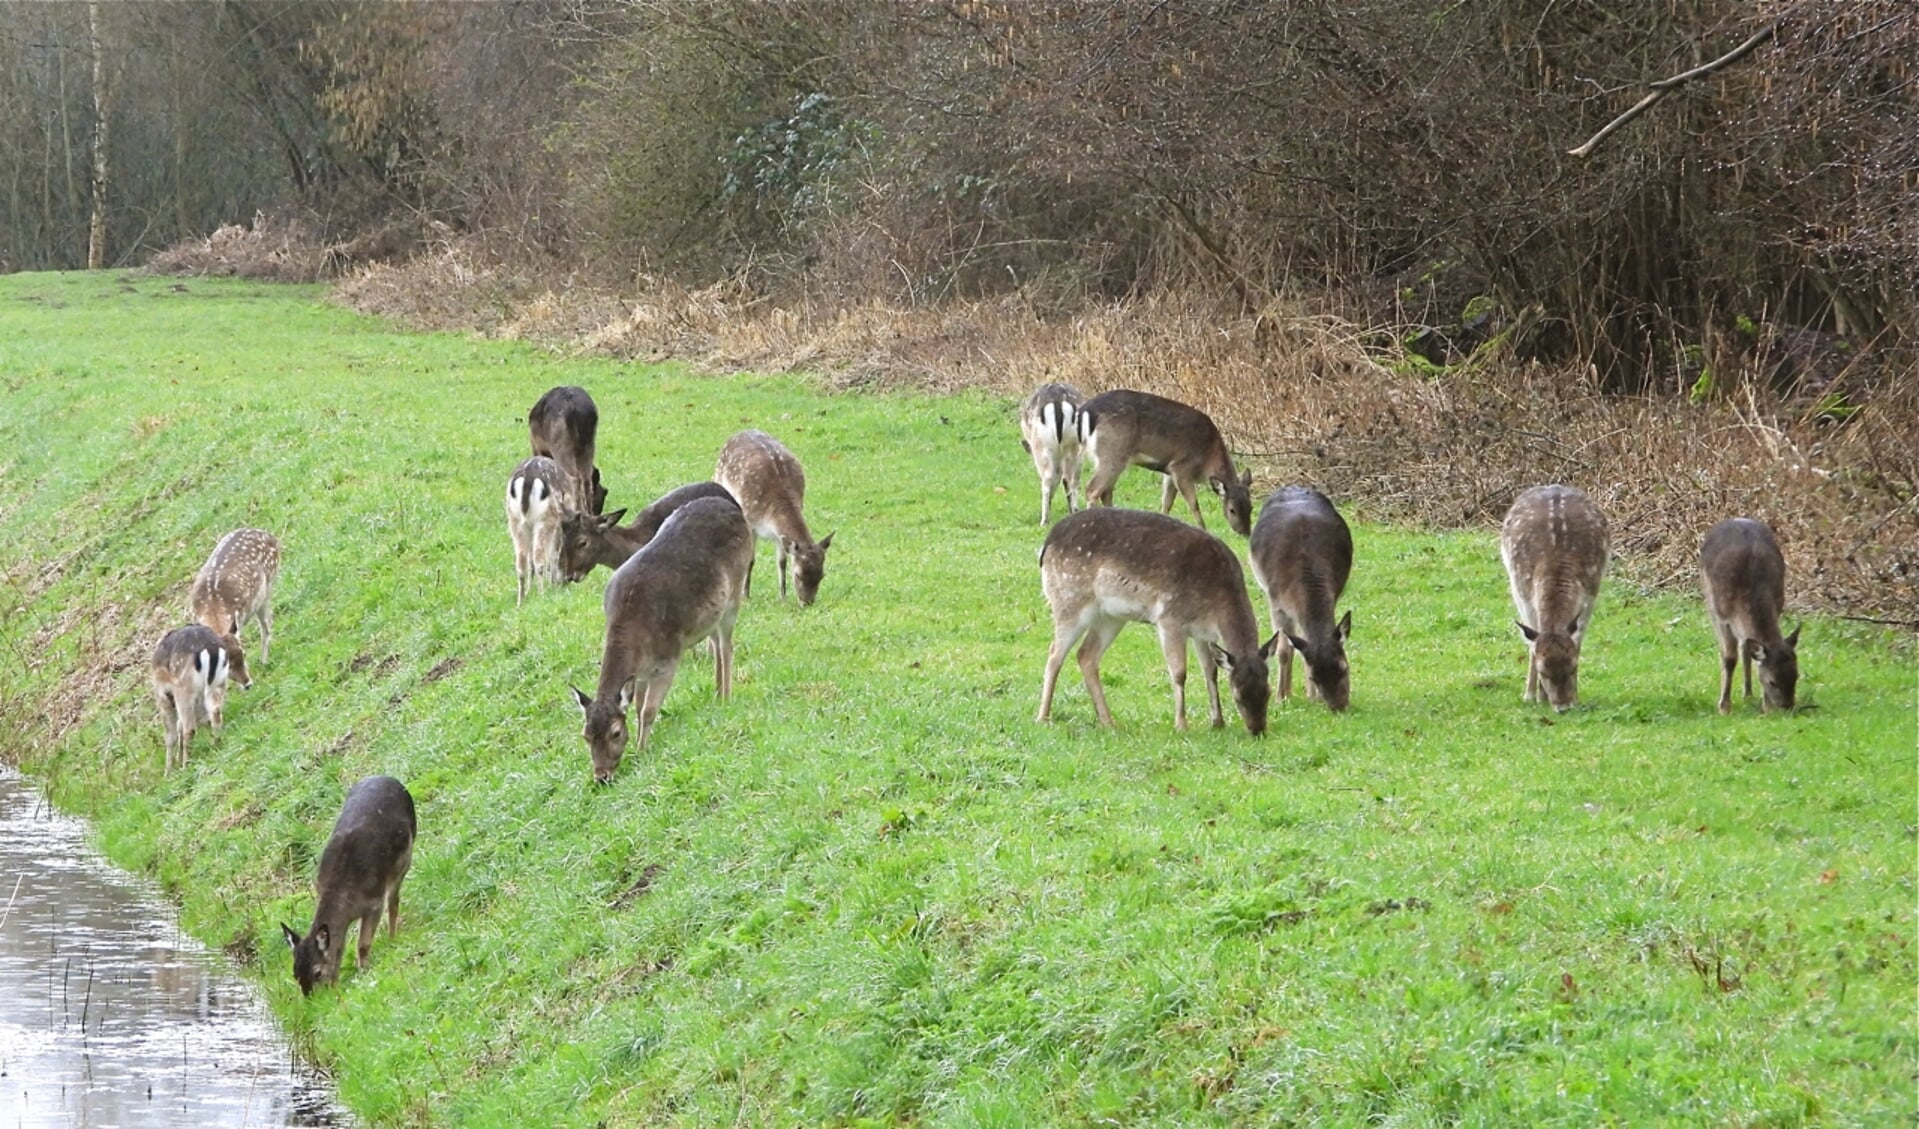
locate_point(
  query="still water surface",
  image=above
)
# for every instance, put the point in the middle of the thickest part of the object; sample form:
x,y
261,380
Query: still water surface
x,y
109,1015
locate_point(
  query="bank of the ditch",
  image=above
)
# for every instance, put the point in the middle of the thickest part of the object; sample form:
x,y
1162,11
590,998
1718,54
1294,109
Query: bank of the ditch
x,y
870,887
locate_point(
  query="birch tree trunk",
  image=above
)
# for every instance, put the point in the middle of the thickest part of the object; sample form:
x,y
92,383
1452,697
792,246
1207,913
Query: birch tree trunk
x,y
102,101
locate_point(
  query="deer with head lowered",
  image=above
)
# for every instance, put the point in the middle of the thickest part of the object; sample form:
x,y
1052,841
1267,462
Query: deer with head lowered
x,y
589,540
685,585
536,498
1555,544
1049,430
563,425
361,869
1744,577
191,669
1302,553
771,488
235,586
1123,428
1104,568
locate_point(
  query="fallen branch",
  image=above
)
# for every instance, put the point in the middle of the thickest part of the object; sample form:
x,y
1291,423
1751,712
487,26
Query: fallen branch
x,y
1666,86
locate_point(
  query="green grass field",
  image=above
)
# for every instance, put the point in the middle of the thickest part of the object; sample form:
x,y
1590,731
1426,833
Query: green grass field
x,y
870,889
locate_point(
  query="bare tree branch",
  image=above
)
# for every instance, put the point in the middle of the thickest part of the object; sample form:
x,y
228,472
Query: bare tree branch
x,y
1666,86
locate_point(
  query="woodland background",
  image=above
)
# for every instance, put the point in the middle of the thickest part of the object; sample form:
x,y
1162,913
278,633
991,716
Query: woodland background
x,y
1352,230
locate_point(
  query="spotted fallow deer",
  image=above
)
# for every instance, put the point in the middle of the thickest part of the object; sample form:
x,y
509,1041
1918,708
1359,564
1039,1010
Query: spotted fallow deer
x,y
1302,553
536,497
1555,544
361,869
685,585
1104,568
1049,430
1123,428
191,669
771,488
563,425
1744,577
235,586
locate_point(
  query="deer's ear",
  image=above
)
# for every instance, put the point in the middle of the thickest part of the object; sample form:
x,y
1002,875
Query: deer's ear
x,y
1793,639
1222,657
1531,635
1346,627
608,521
826,542
1271,646
1246,478
293,939
1298,643
1218,485
323,935
626,696
586,703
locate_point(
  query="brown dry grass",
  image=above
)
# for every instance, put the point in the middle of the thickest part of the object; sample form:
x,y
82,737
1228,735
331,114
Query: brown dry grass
x,y
1304,397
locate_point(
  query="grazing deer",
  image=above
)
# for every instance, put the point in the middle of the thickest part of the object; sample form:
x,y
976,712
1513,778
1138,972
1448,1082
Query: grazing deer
x,y
1302,553
685,585
1049,430
1744,576
1124,428
236,585
360,872
536,496
1103,568
587,540
563,424
756,469
191,669
1555,544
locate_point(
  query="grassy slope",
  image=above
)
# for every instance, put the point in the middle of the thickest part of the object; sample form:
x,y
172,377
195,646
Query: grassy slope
x,y
870,886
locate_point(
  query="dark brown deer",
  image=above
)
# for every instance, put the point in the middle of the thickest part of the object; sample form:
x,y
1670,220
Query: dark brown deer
x,y
1104,568
766,478
190,671
589,540
1123,428
564,423
1049,430
685,585
360,874
536,497
1555,544
1302,553
235,586
1744,577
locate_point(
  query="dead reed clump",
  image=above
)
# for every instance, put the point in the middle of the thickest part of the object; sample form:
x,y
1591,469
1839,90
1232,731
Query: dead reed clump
x,y
284,246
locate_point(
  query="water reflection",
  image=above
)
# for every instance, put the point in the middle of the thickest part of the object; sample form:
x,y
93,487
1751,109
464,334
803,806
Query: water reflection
x,y
109,1015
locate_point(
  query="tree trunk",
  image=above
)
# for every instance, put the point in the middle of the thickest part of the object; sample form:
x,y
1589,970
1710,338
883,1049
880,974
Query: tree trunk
x,y
102,100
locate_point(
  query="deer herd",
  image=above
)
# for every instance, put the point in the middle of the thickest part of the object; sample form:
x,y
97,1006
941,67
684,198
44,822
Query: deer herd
x,y
682,570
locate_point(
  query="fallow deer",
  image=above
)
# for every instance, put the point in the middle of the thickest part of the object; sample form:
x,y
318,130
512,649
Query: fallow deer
x,y
1104,568
1302,553
536,497
1049,430
1744,577
361,869
1555,544
191,669
563,425
587,540
1123,428
685,585
771,488
236,586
